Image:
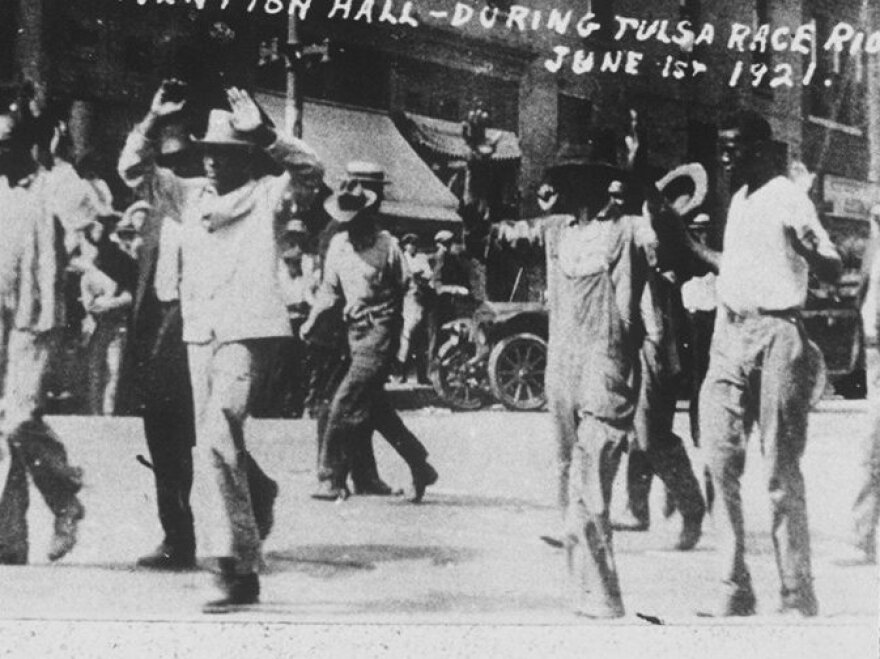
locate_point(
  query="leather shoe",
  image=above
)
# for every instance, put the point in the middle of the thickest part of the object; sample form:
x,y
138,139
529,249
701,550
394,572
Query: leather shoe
x,y
691,531
800,602
65,529
423,476
376,487
241,591
868,548
737,601
264,509
327,491
629,522
554,541
167,558
14,555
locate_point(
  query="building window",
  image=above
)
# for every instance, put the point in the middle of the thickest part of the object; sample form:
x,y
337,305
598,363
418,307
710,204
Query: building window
x,y
8,34
603,11
446,93
573,119
838,90
765,58
138,55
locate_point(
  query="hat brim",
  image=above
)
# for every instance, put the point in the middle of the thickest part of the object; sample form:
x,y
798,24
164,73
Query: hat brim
x,y
207,145
331,205
697,174
369,181
586,165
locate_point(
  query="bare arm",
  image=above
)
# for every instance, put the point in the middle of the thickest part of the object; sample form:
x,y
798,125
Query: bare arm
x,y
297,158
47,272
811,241
329,293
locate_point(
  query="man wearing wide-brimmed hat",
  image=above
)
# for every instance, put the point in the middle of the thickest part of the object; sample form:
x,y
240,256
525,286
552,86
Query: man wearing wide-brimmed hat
x,y
232,306
156,377
656,448
597,270
365,270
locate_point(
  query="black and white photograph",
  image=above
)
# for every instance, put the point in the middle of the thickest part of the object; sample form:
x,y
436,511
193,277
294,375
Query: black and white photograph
x,y
401,328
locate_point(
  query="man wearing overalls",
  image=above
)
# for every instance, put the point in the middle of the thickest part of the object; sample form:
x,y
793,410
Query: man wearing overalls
x,y
597,270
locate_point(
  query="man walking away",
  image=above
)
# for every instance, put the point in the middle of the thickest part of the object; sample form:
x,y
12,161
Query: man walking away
x,y
365,270
33,259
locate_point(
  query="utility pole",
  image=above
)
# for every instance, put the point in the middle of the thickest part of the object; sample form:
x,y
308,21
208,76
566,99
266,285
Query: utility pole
x,y
293,106
870,22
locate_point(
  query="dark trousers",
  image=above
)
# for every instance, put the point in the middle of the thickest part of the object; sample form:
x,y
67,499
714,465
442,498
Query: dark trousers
x,y
701,325
34,449
361,405
658,450
161,374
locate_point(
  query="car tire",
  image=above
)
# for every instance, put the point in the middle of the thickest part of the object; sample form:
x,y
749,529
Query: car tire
x,y
450,384
516,368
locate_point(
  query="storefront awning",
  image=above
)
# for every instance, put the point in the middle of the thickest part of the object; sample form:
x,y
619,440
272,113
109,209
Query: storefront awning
x,y
511,233
445,139
341,134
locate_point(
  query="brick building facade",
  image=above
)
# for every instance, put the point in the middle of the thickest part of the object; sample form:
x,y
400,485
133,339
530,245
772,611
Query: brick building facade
x,y
106,57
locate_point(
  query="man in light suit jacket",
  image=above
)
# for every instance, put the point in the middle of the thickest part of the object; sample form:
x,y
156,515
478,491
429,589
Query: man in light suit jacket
x,y
156,370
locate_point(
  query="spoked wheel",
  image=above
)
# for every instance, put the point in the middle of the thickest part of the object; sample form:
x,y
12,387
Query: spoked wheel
x,y
456,382
516,371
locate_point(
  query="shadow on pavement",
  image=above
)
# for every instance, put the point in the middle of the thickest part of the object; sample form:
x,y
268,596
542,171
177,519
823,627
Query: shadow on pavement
x,y
342,560
476,501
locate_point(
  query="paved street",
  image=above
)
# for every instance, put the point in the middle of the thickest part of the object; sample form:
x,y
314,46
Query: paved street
x,y
469,554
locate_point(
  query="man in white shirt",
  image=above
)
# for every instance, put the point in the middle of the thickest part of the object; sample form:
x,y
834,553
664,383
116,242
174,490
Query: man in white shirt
x,y
233,312
413,305
762,366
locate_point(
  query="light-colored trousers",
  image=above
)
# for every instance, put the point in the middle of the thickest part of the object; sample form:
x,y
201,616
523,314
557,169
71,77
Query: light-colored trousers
x,y
413,315
866,510
105,358
761,371
222,376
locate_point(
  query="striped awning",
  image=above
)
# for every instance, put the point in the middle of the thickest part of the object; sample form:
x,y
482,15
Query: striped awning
x,y
341,134
445,138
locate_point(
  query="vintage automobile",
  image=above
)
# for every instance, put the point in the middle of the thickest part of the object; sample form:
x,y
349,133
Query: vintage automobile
x,y
499,353
832,317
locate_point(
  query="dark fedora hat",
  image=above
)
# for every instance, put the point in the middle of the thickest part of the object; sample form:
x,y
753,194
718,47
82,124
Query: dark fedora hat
x,y
598,151
222,133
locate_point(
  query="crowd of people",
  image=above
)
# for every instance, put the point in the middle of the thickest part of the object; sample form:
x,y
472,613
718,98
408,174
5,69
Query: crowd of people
x,y
238,266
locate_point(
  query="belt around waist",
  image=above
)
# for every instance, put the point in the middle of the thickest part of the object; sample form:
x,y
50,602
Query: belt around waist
x,y
792,313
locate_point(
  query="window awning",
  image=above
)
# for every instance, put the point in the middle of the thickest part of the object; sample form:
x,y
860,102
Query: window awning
x,y
445,139
341,134
510,233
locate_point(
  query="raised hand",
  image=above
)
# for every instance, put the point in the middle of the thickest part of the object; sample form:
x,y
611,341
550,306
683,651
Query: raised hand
x,y
245,113
167,99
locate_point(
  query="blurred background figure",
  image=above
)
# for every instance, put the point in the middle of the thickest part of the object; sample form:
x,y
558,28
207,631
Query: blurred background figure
x,y
866,510
108,280
413,343
298,277
451,284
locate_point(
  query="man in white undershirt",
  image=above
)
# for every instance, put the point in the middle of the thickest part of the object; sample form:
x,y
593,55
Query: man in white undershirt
x,y
762,367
